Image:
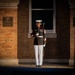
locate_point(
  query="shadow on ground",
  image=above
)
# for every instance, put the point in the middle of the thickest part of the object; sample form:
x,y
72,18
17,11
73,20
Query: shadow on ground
x,y
8,70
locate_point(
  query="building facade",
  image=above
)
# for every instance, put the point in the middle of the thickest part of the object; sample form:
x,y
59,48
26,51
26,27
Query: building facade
x,y
16,24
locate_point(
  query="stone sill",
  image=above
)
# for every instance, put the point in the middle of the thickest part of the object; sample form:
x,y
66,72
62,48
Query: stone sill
x,y
48,35
13,4
51,35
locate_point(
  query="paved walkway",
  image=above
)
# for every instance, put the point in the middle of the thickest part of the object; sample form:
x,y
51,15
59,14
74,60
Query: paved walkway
x,y
24,69
30,65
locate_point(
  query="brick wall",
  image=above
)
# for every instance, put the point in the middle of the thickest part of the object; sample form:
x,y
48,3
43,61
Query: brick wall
x,y
8,35
63,29
21,47
72,33
56,48
25,45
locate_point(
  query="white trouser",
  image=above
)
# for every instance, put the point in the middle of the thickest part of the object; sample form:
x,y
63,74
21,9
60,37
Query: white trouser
x,y
38,54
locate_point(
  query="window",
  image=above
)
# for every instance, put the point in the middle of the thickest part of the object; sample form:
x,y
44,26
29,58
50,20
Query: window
x,y
44,10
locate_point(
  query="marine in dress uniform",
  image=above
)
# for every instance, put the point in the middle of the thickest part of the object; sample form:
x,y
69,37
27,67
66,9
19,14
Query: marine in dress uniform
x,y
39,42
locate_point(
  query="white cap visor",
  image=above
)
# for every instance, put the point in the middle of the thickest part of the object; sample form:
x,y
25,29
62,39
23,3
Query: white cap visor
x,y
38,20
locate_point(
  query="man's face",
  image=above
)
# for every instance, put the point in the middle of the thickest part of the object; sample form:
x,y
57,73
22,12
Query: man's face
x,y
38,24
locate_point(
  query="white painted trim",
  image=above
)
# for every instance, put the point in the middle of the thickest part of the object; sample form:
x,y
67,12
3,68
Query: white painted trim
x,y
45,60
8,61
30,31
54,19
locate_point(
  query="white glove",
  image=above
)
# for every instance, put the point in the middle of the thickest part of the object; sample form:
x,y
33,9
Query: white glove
x,y
44,45
37,34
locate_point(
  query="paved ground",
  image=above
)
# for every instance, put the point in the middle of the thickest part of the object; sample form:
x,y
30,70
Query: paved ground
x,y
31,68
44,66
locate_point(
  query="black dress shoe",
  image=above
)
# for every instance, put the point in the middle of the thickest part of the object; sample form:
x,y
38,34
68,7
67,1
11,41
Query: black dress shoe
x,y
40,66
37,65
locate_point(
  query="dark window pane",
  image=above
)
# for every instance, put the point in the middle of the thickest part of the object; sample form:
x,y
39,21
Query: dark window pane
x,y
45,15
42,4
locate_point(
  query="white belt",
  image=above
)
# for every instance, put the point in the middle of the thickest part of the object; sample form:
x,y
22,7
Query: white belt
x,y
40,36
